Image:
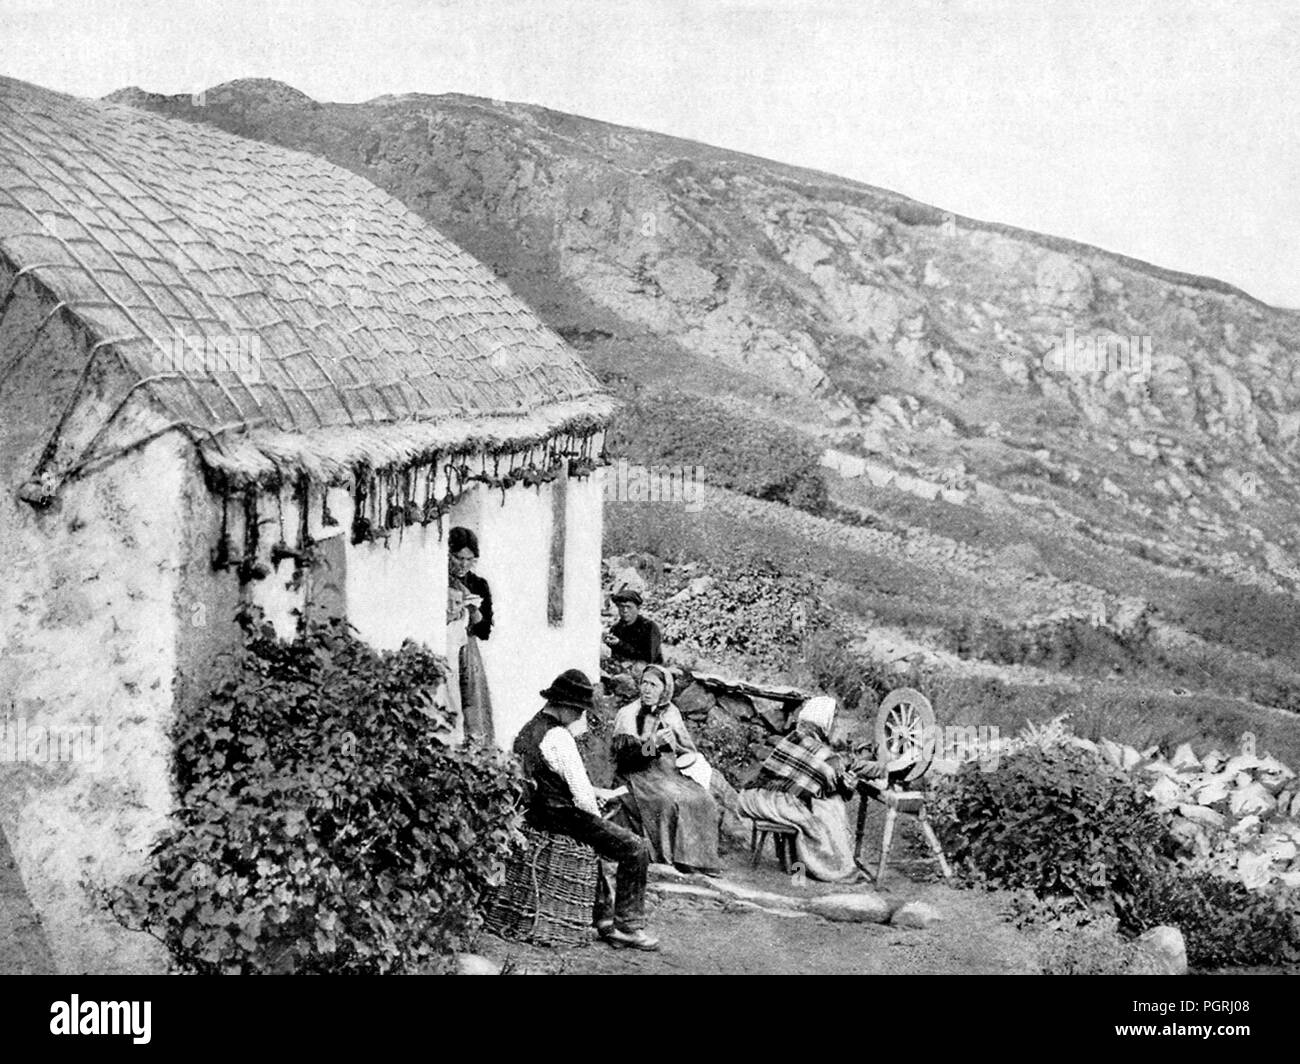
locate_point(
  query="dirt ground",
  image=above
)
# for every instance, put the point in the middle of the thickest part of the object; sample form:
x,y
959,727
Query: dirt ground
x,y
702,936
707,936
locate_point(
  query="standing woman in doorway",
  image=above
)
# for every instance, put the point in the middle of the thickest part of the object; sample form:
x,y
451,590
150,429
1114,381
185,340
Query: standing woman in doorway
x,y
470,599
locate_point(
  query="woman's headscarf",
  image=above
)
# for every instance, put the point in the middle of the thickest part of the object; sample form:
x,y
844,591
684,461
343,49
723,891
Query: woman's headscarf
x,y
818,713
666,678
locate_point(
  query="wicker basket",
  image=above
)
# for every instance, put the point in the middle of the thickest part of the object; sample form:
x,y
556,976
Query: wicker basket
x,y
549,892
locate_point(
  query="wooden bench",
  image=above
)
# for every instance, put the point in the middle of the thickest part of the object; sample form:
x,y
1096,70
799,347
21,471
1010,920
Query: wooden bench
x,y
783,839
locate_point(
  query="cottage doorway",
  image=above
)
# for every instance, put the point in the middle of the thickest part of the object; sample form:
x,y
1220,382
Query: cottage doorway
x,y
469,622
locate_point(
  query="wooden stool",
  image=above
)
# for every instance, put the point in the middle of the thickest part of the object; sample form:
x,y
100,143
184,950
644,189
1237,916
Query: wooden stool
x,y
783,836
896,800
549,892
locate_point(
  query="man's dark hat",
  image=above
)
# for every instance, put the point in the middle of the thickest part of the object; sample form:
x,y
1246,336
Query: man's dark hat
x,y
571,688
627,595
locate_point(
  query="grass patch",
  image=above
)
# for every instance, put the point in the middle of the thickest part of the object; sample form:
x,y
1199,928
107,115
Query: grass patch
x,y
753,456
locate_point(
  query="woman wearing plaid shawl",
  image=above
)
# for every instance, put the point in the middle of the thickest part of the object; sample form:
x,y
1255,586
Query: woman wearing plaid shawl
x,y
805,784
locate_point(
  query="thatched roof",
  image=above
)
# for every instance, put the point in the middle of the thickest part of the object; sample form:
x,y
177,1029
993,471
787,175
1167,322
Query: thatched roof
x,y
285,312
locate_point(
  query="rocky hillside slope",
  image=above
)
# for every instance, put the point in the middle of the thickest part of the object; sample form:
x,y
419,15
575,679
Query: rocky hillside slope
x,y
889,328
1092,421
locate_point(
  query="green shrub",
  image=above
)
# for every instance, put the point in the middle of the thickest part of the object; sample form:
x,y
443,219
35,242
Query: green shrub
x,y
754,457
725,745
1057,822
1223,923
1074,939
746,610
323,827
852,678
1074,831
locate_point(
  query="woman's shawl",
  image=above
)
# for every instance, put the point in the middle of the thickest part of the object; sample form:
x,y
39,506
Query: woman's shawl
x,y
630,725
630,722
804,764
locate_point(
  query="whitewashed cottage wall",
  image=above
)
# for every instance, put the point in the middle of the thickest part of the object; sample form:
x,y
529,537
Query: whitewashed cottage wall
x,y
88,611
397,589
526,652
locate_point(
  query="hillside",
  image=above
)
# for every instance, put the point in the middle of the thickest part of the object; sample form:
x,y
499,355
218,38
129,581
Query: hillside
x,y
911,348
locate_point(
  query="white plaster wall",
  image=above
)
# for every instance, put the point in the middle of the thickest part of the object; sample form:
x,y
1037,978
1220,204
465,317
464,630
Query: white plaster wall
x,y
89,611
398,589
273,594
525,652
88,616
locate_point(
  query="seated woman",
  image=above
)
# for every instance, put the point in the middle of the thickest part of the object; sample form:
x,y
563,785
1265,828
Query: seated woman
x,y
675,813
804,783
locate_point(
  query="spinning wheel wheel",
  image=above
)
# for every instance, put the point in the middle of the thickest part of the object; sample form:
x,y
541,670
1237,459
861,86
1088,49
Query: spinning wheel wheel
x,y
905,728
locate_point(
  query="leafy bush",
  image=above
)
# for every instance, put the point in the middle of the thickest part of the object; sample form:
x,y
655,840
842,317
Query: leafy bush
x,y
1075,939
1057,821
746,610
725,745
758,458
1072,644
1077,833
851,678
323,825
1223,923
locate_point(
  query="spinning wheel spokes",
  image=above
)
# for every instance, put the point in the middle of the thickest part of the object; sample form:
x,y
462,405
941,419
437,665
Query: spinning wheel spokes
x,y
903,730
905,726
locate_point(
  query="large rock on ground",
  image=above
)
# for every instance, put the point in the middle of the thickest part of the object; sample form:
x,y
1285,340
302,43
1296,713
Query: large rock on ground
x,y
695,702
865,907
1165,945
915,914
473,964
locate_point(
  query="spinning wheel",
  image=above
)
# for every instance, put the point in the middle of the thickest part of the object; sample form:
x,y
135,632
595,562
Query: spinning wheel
x,y
905,728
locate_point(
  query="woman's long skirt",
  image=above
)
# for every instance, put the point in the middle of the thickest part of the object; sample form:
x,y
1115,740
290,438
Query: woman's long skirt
x,y
475,702
677,816
823,845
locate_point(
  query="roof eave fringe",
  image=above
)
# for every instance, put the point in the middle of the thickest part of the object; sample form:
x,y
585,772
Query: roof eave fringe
x,y
332,455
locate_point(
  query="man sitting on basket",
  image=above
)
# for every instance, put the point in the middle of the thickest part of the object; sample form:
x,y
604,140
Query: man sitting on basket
x,y
564,802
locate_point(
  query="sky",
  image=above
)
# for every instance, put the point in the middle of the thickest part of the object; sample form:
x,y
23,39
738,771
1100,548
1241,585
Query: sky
x,y
1162,129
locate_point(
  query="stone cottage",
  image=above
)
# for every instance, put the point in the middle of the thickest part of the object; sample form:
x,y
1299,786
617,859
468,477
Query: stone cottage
x,y
230,373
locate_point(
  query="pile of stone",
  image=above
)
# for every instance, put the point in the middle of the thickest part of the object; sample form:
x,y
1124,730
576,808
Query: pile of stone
x,y
766,711
1239,815
1236,815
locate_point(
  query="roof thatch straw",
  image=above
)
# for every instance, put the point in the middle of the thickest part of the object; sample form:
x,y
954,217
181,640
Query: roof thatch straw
x,y
286,313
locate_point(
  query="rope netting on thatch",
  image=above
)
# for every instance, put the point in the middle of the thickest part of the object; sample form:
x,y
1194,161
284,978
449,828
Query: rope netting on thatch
x,y
246,287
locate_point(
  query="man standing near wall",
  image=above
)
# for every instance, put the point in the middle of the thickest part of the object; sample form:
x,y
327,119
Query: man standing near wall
x,y
564,802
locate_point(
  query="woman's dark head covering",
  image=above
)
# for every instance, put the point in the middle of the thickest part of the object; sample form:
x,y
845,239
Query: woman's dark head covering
x,y
460,538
